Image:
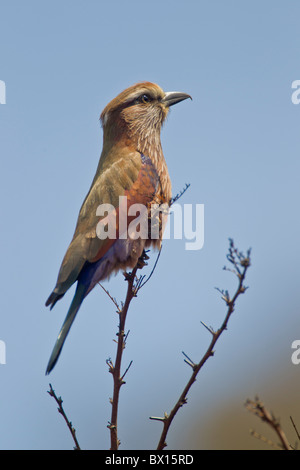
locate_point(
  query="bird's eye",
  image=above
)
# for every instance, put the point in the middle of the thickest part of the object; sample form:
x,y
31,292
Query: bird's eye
x,y
145,99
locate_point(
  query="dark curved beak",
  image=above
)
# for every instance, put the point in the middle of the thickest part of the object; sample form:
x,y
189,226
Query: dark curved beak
x,y
173,97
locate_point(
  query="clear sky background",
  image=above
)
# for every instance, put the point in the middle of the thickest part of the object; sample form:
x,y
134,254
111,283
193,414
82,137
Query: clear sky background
x,y
238,145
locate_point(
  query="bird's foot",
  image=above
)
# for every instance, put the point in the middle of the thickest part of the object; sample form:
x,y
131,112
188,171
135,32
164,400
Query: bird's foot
x,y
142,260
127,276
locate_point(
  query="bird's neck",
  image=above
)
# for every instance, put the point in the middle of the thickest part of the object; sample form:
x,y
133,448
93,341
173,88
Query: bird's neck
x,y
150,146
139,138
146,142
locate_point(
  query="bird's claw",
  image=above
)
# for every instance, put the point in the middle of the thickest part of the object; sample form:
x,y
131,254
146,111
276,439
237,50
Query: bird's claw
x,y
142,260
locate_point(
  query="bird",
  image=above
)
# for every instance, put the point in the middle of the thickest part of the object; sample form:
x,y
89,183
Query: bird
x,y
132,168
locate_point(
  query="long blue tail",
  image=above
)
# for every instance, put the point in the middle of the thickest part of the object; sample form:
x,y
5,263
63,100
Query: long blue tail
x,y
74,307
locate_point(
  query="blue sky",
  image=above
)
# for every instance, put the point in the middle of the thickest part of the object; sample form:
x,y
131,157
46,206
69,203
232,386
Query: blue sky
x,y
237,144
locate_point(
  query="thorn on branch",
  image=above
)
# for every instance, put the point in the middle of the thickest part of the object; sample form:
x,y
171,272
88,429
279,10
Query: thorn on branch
x,y
189,361
209,328
126,371
126,336
111,426
224,294
110,365
157,418
111,298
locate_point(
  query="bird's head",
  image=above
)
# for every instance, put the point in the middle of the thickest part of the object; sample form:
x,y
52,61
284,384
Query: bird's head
x,y
138,113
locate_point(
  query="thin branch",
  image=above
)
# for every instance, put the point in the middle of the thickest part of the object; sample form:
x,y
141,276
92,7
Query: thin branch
x,y
130,364
242,263
111,298
135,283
115,369
189,361
155,264
264,439
295,428
209,328
179,195
258,409
62,412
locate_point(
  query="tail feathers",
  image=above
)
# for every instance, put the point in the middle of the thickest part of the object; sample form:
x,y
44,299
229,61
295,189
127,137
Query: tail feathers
x,y
52,299
74,307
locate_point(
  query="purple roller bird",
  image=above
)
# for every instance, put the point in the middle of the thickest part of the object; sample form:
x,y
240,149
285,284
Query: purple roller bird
x,y
131,165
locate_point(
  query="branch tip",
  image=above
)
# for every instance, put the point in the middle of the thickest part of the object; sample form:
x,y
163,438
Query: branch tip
x,y
60,409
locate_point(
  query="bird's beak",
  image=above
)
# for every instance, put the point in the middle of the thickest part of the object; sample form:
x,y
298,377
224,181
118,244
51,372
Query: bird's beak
x,y
173,97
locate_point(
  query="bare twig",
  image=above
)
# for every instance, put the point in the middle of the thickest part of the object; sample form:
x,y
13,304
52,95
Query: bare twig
x,y
150,275
241,264
115,369
258,409
62,412
178,196
295,428
262,438
134,284
111,298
